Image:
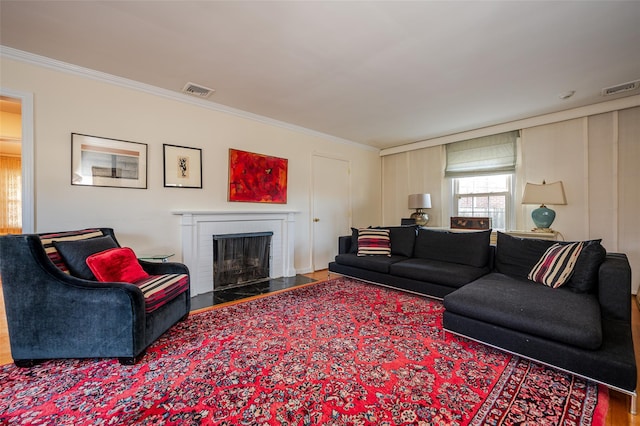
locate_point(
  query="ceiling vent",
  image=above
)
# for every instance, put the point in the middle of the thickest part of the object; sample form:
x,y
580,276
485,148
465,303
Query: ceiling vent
x,y
197,90
624,87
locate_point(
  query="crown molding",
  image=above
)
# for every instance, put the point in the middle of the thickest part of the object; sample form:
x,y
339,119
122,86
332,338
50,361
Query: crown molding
x,y
42,61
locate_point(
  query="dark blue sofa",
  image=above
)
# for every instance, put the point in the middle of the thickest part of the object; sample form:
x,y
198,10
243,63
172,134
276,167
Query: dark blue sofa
x,y
582,327
54,314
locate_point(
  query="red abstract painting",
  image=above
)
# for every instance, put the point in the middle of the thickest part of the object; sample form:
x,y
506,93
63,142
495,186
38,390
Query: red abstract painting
x,y
257,178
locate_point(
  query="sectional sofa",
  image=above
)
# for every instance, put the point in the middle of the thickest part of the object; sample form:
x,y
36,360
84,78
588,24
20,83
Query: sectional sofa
x,y
490,294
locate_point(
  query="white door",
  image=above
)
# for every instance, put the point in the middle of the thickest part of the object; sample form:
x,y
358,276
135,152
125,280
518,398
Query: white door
x,y
331,209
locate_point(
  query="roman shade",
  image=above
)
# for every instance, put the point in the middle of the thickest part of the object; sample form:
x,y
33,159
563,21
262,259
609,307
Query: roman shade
x,y
493,154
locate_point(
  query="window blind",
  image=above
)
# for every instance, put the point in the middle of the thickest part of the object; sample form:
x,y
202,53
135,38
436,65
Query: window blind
x,y
493,154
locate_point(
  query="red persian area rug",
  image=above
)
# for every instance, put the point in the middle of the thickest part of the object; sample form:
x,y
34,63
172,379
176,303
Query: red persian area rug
x,y
340,352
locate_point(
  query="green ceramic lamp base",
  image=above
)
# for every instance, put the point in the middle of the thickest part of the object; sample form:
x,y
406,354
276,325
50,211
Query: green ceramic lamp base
x,y
543,217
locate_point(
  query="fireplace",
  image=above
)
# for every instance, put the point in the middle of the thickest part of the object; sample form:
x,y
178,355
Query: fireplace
x,y
240,259
197,250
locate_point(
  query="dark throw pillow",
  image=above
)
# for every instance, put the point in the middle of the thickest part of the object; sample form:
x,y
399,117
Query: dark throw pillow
x,y
585,273
466,248
354,241
403,239
516,256
75,253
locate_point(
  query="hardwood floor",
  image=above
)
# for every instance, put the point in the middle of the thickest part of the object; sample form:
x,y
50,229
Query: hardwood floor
x,y
618,414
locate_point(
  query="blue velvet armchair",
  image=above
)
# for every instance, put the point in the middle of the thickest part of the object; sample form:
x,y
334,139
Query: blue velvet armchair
x,y
53,314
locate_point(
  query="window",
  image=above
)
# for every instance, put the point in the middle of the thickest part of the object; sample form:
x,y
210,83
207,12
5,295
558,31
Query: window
x,y
481,172
484,196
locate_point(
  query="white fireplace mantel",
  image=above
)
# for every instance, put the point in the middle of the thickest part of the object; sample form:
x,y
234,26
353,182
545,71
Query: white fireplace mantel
x,y
198,227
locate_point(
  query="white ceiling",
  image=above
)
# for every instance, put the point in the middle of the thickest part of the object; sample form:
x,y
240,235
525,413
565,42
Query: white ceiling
x,y
378,73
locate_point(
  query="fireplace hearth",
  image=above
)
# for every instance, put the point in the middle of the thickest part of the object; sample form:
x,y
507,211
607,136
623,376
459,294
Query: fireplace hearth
x,y
240,259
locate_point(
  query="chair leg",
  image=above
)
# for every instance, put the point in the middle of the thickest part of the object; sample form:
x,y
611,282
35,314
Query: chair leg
x,y
24,363
127,360
633,408
131,360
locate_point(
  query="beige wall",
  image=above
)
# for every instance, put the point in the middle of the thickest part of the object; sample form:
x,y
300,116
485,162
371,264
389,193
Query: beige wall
x,y
66,103
596,157
413,172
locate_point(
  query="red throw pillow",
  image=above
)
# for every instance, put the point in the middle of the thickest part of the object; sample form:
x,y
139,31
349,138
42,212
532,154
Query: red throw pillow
x,y
116,265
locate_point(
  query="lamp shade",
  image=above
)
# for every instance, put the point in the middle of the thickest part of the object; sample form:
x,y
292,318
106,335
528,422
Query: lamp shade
x,y
546,193
420,201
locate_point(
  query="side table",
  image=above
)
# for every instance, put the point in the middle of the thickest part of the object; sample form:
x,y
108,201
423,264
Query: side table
x,y
164,258
553,235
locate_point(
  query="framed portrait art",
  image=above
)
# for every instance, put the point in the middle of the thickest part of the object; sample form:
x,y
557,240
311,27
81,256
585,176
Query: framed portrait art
x,y
97,161
182,166
257,178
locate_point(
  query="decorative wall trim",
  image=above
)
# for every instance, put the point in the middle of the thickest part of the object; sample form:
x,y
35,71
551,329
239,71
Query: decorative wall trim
x,y
33,59
198,227
570,114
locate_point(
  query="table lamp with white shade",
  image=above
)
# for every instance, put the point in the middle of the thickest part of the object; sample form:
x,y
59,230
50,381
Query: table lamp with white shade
x,y
419,202
546,193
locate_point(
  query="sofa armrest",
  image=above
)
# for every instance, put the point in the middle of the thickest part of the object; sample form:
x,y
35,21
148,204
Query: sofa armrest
x,y
344,244
161,268
614,287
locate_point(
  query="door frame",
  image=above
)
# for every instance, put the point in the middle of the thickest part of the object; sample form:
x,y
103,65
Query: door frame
x,y
27,158
313,196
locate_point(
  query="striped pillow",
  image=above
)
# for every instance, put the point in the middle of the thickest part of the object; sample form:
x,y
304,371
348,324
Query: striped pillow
x,y
53,254
373,242
160,289
556,265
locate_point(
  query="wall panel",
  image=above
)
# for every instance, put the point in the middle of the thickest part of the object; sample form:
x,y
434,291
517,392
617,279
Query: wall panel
x,y
412,172
629,188
603,182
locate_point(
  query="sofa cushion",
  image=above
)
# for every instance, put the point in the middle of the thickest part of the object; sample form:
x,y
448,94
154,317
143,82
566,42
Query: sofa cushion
x,y
557,314
465,248
372,263
403,239
517,256
374,242
75,253
585,273
54,254
116,265
434,271
556,265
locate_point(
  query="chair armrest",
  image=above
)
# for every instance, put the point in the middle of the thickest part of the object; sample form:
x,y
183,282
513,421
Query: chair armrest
x,y
161,268
614,287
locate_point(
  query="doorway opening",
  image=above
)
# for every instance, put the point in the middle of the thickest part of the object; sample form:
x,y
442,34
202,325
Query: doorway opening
x,y
11,187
